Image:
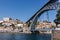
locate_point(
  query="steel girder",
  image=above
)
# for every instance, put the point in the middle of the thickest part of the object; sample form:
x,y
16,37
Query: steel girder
x,y
51,5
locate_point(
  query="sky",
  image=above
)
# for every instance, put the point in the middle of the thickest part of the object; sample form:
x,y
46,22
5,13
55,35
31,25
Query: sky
x,y
21,9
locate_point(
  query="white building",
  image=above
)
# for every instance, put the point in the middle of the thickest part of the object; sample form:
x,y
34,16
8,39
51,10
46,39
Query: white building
x,y
6,24
13,22
19,25
1,21
6,19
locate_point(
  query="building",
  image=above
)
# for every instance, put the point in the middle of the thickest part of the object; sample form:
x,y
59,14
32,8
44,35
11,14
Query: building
x,y
45,27
6,19
1,21
20,25
13,22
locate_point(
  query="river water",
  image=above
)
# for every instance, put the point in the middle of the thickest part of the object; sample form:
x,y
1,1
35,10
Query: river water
x,y
17,36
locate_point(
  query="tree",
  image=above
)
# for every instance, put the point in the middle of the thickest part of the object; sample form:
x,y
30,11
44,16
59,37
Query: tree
x,y
10,18
13,26
1,25
28,23
18,21
57,20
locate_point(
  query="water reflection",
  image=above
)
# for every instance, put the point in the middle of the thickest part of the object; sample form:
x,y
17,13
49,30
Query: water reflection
x,y
10,36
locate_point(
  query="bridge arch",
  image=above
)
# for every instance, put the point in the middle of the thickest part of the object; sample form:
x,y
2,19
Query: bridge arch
x,y
51,5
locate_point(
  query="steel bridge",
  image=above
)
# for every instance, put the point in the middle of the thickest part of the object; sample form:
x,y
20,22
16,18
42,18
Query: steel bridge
x,y
50,5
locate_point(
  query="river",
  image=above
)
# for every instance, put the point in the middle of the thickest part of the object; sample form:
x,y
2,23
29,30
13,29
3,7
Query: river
x,y
18,36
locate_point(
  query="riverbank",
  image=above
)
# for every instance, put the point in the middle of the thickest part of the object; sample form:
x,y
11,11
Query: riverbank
x,y
17,32
56,35
26,33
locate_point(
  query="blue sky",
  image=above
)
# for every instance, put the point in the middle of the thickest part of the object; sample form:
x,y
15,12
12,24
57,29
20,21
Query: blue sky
x,y
21,9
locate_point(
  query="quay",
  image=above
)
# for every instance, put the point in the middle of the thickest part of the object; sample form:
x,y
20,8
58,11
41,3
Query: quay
x,y
56,34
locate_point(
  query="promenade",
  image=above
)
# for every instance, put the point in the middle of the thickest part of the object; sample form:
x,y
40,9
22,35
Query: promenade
x,y
56,34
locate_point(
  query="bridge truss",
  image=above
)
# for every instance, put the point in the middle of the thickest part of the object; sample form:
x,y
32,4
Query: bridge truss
x,y
50,5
